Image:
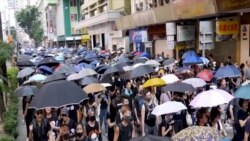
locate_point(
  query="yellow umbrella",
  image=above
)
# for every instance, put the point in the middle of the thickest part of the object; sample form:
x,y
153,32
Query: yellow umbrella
x,y
154,82
94,88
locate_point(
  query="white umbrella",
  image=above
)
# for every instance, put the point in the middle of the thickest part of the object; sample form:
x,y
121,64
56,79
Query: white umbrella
x,y
153,63
168,108
106,84
75,76
137,65
170,78
211,98
195,82
37,78
87,72
128,68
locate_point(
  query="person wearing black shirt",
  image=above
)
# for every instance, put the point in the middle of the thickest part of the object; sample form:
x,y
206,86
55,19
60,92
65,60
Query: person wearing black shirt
x,y
64,134
111,124
103,111
148,119
124,130
80,134
28,115
92,126
166,127
39,128
242,119
65,120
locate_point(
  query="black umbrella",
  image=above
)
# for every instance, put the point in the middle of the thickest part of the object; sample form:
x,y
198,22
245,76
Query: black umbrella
x,y
81,60
141,71
25,63
58,94
113,70
26,91
88,80
49,61
23,57
54,77
179,87
25,72
151,138
66,69
101,68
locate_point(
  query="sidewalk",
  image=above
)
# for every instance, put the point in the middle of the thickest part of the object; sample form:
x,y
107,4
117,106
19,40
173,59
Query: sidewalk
x,y
21,128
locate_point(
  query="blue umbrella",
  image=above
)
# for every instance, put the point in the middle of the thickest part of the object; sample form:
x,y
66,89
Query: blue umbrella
x,y
191,60
243,92
189,53
81,66
145,54
59,58
227,71
204,60
46,70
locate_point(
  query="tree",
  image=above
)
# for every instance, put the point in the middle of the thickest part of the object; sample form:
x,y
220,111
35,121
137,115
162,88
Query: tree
x,y
5,54
28,18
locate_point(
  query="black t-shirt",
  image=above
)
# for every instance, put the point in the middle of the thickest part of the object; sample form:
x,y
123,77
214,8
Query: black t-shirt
x,y
166,125
73,112
150,119
40,131
91,130
242,115
110,129
125,132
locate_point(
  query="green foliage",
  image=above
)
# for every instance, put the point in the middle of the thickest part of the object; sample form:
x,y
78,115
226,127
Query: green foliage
x,y
28,18
5,51
11,115
11,120
7,138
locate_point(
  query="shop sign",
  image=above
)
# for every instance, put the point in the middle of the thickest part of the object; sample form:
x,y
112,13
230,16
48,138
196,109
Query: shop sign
x,y
170,42
138,36
185,33
244,32
227,27
206,36
85,38
229,5
171,28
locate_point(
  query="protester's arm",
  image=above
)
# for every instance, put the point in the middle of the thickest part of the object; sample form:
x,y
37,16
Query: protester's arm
x,y
31,133
246,135
110,124
143,120
243,122
133,131
165,131
116,135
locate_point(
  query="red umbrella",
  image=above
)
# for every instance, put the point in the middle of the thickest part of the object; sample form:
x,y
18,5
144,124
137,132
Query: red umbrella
x,y
205,75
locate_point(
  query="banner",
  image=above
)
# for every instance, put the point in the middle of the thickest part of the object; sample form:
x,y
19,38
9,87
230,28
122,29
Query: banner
x,y
138,36
227,27
229,5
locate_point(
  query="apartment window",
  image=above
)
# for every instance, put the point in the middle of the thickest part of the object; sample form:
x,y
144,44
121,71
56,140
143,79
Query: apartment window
x,y
73,2
73,17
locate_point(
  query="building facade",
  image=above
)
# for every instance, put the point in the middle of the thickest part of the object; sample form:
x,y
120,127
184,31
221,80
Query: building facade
x,y
67,15
207,26
98,23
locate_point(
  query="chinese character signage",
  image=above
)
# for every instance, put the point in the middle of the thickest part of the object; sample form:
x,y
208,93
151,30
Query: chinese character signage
x,y
227,27
228,5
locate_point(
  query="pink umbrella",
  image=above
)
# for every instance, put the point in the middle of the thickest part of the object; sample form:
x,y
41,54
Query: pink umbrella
x,y
211,98
205,75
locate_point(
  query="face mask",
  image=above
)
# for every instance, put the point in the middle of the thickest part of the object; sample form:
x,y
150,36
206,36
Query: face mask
x,y
92,118
127,118
148,99
66,136
79,135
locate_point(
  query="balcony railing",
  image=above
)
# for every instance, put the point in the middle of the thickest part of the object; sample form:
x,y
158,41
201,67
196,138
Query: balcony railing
x,y
98,19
